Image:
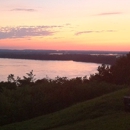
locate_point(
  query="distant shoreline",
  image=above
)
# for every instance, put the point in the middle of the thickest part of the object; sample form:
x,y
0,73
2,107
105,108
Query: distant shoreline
x,y
78,56
82,58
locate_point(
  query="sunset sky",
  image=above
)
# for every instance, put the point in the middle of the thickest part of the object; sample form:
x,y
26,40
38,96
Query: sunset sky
x,y
65,24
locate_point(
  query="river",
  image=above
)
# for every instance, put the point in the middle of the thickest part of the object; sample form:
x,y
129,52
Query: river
x,y
43,69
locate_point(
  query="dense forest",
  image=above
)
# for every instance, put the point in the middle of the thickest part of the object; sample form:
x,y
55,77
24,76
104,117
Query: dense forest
x,y
25,98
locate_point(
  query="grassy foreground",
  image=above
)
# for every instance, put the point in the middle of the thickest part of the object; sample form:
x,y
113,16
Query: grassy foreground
x,y
103,113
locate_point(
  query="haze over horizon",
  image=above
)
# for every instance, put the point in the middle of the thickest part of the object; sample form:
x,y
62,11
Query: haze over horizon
x,y
65,25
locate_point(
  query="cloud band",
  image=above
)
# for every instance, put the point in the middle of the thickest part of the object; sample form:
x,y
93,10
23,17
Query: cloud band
x,y
25,31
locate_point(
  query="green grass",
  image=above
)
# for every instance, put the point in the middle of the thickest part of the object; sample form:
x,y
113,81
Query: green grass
x,y
103,113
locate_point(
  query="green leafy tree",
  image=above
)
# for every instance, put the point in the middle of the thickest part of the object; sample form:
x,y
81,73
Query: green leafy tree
x,y
121,70
30,78
11,78
104,74
119,73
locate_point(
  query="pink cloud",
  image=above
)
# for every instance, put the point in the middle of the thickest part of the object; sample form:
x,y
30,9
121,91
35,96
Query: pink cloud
x,y
109,13
22,9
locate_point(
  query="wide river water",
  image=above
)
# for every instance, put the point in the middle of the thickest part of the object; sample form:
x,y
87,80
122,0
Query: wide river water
x,y
43,69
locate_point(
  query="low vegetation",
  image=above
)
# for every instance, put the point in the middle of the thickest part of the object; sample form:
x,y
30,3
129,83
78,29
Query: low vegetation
x,y
24,100
102,113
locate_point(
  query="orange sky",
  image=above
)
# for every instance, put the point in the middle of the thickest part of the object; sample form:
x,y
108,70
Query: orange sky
x,y
65,25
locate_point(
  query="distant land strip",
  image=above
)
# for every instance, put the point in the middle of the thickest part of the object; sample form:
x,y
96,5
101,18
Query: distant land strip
x,y
79,56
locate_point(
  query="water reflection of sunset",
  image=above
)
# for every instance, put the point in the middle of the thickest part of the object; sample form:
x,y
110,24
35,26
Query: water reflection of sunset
x,y
41,69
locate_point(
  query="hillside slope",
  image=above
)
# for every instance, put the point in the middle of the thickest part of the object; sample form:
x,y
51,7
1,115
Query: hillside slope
x,y
106,112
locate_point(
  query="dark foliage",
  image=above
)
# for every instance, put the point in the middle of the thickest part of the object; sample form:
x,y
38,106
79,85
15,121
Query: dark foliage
x,y
30,99
104,74
121,70
119,73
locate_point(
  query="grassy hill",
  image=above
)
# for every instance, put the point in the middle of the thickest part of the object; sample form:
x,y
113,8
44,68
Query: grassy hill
x,y
102,113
